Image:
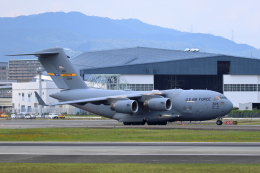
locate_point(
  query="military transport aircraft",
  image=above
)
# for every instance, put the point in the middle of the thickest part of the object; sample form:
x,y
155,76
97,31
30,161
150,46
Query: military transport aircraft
x,y
130,107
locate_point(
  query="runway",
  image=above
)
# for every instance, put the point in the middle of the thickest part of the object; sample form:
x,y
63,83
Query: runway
x,y
49,123
129,152
121,152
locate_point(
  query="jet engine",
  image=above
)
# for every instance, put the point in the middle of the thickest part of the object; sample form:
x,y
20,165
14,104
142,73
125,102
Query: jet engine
x,y
125,106
159,104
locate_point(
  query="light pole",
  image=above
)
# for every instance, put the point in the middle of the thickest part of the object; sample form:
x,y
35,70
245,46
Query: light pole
x,y
39,71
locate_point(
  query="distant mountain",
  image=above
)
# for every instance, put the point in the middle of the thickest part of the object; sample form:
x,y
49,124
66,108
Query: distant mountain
x,y
79,32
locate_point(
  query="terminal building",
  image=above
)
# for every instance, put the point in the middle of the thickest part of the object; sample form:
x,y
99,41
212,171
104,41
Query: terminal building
x,y
141,68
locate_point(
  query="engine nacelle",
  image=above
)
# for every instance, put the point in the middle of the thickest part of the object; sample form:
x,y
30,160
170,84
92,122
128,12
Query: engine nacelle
x,y
125,106
159,104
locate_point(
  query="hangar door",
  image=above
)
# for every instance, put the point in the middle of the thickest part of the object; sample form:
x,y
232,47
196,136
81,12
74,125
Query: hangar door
x,y
209,82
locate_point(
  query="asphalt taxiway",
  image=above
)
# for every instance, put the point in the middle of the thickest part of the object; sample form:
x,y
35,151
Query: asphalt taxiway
x,y
49,123
129,152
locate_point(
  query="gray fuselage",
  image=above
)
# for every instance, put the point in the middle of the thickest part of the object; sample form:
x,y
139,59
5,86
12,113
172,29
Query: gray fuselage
x,y
187,105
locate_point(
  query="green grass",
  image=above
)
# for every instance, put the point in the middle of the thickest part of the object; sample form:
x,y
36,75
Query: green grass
x,y
129,168
127,135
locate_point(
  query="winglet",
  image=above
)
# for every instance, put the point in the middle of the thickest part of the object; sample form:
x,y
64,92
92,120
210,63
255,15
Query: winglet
x,y
41,102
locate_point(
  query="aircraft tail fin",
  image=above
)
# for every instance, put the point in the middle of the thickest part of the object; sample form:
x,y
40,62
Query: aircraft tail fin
x,y
58,66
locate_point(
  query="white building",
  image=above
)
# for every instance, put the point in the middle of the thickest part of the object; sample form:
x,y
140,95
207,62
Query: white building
x,y
24,100
241,89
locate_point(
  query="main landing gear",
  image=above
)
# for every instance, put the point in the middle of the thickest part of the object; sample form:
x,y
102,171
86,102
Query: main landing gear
x,y
219,122
158,123
134,123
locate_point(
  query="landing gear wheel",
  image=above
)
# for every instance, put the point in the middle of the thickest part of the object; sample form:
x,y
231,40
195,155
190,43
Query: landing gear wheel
x,y
127,123
219,122
157,123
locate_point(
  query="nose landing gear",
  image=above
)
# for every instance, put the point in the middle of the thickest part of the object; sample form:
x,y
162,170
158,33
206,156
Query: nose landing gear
x,y
219,122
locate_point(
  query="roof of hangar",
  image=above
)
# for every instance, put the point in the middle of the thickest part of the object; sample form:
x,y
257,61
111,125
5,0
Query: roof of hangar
x,y
135,55
142,60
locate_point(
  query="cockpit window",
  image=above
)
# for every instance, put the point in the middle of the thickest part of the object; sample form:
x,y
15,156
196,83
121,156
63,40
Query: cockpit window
x,y
216,98
219,97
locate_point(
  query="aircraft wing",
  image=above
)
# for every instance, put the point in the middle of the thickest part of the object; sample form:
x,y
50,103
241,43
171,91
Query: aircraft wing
x,y
101,99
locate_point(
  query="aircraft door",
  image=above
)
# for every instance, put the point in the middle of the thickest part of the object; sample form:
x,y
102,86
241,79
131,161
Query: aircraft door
x,y
204,112
187,110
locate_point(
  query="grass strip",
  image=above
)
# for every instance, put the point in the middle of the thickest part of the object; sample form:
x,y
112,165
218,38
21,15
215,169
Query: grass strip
x,y
129,168
127,135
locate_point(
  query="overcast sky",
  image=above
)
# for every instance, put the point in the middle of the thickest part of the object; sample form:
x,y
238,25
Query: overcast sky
x,y
218,17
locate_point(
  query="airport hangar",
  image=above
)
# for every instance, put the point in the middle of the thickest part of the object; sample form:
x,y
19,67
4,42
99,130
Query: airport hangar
x,y
150,68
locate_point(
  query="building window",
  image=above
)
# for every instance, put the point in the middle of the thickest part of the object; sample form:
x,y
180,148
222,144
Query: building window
x,y
29,109
22,108
140,87
22,96
241,87
29,97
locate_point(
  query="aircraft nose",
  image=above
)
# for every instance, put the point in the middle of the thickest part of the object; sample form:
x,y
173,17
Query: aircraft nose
x,y
229,106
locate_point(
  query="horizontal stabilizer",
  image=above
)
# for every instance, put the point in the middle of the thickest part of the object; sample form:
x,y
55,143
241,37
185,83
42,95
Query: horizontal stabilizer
x,y
36,54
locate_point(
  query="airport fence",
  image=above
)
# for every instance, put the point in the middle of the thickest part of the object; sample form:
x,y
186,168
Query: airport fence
x,y
46,111
244,114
